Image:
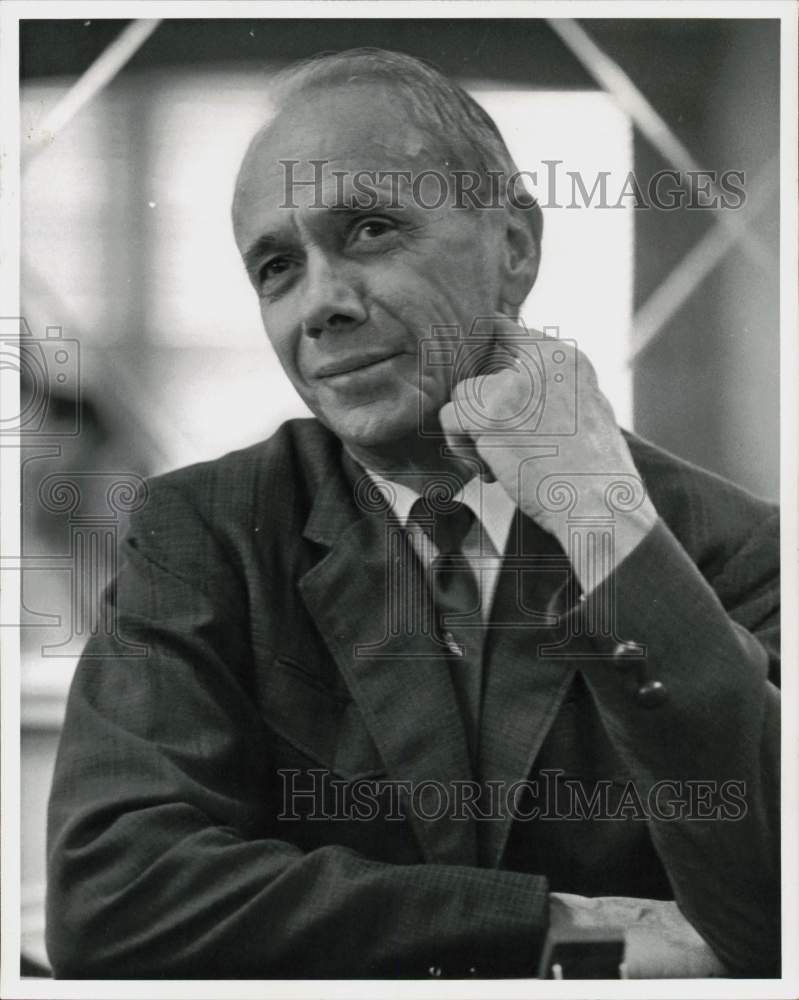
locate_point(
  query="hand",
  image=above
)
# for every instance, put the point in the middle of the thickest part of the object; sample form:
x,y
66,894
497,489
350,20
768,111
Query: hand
x,y
660,943
572,435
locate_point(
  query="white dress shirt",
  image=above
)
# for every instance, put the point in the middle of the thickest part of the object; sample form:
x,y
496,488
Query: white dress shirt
x,y
483,546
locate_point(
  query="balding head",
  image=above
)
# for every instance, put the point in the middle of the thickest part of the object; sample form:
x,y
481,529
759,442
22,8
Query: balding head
x,y
459,134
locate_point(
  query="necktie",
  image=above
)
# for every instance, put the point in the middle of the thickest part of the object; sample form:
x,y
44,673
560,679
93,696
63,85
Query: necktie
x,y
456,600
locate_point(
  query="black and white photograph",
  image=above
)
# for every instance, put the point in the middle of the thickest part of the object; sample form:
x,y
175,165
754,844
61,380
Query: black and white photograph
x,y
399,493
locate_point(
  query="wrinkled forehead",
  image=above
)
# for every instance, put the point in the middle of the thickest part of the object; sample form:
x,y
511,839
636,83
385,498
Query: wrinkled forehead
x,y
344,130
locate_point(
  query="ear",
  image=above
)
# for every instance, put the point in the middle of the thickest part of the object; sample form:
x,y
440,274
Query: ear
x,y
520,259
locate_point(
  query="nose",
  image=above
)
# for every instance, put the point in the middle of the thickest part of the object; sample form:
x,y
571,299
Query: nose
x,y
333,299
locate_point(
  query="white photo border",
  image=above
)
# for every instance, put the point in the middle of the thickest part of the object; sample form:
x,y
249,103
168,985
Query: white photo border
x,y
11,12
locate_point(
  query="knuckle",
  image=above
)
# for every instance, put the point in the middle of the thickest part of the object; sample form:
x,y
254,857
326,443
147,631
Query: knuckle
x,y
447,413
462,389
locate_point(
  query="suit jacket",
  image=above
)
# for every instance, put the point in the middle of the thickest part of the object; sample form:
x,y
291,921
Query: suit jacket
x,y
258,592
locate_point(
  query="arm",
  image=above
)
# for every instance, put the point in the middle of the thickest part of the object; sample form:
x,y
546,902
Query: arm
x,y
720,724
714,647
162,858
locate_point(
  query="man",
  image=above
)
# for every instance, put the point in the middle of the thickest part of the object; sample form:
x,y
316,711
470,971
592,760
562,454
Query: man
x,y
329,659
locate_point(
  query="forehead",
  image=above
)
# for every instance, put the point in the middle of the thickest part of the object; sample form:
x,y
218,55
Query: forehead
x,y
349,128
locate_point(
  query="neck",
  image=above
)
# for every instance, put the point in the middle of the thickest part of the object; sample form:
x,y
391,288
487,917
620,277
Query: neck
x,y
420,461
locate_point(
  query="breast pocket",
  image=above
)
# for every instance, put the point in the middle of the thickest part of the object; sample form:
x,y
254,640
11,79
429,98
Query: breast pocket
x,y
323,726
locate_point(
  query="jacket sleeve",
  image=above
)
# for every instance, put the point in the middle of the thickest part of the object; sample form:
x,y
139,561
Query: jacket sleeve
x,y
159,860
714,745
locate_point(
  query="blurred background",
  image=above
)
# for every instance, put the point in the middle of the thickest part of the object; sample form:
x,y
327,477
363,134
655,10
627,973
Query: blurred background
x,y
150,350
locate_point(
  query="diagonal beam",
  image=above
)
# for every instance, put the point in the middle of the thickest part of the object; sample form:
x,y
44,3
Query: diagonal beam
x,y
101,72
694,267
612,78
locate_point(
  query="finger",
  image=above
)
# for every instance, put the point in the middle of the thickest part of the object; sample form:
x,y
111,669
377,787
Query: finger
x,y
515,345
508,339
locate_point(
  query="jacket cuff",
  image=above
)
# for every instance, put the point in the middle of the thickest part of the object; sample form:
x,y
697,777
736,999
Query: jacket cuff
x,y
656,619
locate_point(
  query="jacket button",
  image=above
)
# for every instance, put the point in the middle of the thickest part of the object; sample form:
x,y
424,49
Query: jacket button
x,y
626,648
452,644
435,970
651,693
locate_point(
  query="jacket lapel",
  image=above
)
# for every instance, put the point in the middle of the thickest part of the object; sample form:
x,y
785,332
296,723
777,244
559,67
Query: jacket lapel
x,y
367,598
523,691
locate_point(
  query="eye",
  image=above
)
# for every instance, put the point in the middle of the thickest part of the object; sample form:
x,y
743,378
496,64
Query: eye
x,y
372,229
274,268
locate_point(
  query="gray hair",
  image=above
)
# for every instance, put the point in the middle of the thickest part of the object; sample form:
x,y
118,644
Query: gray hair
x,y
442,109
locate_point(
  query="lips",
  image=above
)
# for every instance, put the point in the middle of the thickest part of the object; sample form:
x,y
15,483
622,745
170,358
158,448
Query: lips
x,y
348,366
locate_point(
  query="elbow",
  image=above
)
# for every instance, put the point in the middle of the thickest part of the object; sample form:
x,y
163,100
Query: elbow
x,y
82,941
89,933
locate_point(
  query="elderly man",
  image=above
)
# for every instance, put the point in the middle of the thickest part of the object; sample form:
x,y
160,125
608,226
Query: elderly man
x,y
452,664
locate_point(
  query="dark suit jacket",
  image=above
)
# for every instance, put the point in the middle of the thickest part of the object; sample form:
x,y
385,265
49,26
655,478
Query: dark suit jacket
x,y
249,582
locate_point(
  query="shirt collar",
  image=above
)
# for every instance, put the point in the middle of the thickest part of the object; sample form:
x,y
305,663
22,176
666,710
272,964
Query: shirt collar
x,y
489,502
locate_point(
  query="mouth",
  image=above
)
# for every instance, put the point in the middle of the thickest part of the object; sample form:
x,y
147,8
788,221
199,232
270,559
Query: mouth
x,y
343,367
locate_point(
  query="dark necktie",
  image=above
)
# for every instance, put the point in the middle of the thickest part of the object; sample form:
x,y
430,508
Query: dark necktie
x,y
456,600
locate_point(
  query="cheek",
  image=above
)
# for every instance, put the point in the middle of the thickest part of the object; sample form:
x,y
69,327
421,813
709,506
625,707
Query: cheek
x,y
281,334
434,292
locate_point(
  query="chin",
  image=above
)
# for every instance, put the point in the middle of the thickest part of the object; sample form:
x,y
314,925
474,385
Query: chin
x,y
374,428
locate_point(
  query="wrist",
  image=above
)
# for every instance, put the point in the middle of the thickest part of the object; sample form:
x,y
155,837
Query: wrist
x,y
597,547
